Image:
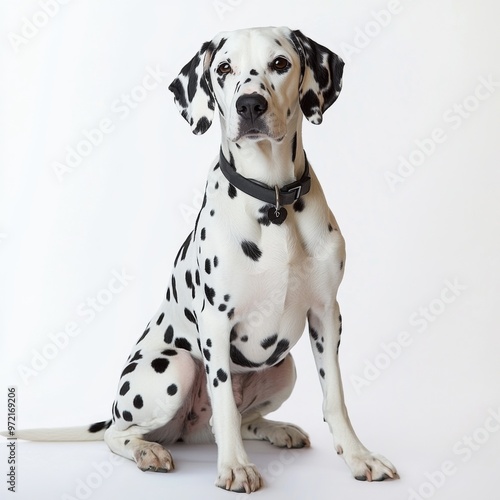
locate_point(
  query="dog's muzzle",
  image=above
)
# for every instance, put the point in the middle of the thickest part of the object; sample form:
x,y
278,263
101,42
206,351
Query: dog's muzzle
x,y
250,109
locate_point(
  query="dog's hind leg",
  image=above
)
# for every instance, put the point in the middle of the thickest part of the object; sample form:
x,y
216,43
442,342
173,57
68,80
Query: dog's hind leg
x,y
266,391
150,407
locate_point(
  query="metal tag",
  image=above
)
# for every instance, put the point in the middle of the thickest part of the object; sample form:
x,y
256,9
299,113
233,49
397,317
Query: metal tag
x,y
277,215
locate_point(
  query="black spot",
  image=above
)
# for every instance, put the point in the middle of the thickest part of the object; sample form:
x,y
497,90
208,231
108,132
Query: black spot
x,y
231,191
172,390
319,347
233,335
310,103
210,294
230,313
208,266
227,297
143,335
138,402
117,412
262,86
254,72
129,369
216,261
299,205
169,335
207,368
99,426
281,347
127,441
222,375
189,283
174,288
169,352
202,126
183,250
269,341
183,343
330,228
212,212
160,364
248,80
251,250
197,277
137,356
206,354
313,333
216,382
203,234
190,316
127,416
222,307
294,146
341,265
238,358
124,388
264,220
322,373
244,338
160,318
338,345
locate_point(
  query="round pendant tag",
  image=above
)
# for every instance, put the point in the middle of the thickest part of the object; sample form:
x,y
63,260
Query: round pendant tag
x,y
277,216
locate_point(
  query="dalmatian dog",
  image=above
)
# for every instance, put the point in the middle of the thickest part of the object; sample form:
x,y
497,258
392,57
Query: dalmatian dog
x,y
265,256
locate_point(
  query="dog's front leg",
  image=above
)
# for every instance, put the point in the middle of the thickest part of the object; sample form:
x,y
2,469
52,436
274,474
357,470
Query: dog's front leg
x,y
325,328
235,472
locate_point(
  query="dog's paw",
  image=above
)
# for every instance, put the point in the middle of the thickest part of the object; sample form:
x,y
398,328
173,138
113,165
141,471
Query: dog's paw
x,y
287,436
367,466
279,434
239,478
153,457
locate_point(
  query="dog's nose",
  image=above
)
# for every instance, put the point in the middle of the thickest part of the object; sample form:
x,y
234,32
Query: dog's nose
x,y
251,106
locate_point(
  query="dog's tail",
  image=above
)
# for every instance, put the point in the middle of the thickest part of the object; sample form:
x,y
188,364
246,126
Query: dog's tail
x,y
94,432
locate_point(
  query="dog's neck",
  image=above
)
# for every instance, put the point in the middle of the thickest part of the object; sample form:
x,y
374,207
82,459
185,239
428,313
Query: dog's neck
x,y
268,161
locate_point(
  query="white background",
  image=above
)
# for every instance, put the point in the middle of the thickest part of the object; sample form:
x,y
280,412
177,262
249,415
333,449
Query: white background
x,y
130,203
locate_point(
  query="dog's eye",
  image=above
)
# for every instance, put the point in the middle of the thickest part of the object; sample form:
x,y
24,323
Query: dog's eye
x,y
223,69
280,64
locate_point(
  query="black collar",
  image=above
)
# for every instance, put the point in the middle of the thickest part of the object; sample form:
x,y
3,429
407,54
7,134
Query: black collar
x,y
274,195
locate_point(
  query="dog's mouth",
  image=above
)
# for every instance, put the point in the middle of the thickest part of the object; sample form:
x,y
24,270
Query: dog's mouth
x,y
256,134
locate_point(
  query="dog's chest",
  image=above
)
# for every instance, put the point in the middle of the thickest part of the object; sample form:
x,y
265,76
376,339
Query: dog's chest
x,y
264,274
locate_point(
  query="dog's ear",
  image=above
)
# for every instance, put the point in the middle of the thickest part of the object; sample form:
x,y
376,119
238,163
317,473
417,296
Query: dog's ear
x,y
321,78
192,94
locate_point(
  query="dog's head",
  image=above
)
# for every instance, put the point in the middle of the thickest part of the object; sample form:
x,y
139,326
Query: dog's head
x,y
257,77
